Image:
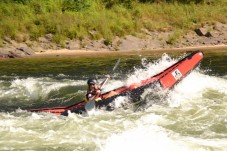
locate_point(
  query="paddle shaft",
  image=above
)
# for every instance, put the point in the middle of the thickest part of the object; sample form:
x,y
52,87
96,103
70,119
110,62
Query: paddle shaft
x,y
114,68
90,105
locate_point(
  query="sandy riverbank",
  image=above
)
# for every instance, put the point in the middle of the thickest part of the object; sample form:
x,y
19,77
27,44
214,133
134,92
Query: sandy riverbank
x,y
93,53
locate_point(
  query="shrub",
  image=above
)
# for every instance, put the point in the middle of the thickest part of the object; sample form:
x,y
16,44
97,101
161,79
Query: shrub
x,y
181,1
75,5
126,3
96,19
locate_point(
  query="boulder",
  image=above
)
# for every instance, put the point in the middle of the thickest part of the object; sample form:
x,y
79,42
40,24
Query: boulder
x,y
203,32
73,45
24,51
7,54
199,32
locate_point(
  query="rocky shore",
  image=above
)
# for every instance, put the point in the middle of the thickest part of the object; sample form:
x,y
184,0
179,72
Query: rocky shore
x,y
209,36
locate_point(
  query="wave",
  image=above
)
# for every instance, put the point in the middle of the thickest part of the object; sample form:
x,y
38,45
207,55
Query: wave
x,y
197,86
33,89
191,117
150,69
63,87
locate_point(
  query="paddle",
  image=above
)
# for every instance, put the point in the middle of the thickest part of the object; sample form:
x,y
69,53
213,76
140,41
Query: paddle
x,y
90,105
114,68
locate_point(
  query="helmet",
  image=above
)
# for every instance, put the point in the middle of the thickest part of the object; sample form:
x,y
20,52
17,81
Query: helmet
x,y
91,81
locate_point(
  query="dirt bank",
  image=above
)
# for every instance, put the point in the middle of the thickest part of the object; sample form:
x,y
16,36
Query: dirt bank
x,y
209,37
93,53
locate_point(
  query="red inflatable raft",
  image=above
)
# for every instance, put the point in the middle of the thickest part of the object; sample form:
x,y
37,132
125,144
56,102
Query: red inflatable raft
x,y
166,79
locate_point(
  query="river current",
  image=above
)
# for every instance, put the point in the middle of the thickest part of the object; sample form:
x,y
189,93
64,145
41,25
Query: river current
x,y
193,115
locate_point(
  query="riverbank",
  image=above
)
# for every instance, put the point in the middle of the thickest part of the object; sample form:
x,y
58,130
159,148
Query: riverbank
x,y
209,37
46,25
93,53
201,38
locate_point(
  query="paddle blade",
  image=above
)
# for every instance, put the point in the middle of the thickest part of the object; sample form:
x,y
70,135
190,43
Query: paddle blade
x,y
90,106
118,61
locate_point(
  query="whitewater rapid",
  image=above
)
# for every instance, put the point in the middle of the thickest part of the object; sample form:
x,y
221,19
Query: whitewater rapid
x,y
193,115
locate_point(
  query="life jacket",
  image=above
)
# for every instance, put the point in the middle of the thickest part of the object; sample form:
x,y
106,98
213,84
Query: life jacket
x,y
92,92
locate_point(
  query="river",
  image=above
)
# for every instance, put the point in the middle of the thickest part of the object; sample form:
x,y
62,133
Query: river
x,y
193,116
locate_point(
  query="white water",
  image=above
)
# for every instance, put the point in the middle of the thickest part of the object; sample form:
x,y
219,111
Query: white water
x,y
34,88
192,117
187,104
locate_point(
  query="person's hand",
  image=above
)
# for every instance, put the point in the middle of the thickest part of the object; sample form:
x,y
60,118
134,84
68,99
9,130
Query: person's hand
x,y
98,91
98,99
107,76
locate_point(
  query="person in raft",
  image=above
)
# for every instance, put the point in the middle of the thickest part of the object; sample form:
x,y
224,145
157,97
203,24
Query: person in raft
x,y
94,90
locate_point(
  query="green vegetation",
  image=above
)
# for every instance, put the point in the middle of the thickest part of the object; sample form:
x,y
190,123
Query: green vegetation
x,y
76,19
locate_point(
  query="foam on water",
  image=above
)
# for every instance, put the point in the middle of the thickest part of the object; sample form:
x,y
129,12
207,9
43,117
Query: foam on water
x,y
194,86
150,69
112,84
146,138
34,88
147,135
187,123
193,117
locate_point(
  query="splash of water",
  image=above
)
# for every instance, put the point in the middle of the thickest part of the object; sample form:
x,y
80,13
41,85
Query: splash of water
x,y
195,86
33,88
194,117
150,69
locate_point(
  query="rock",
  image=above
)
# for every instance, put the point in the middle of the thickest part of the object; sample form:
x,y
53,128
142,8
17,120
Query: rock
x,y
49,37
7,54
25,51
131,43
43,40
203,32
199,32
2,52
73,45
98,45
15,53
208,34
7,39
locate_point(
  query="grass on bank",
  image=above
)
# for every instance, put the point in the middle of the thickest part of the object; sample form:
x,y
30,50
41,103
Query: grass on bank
x,y
33,19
